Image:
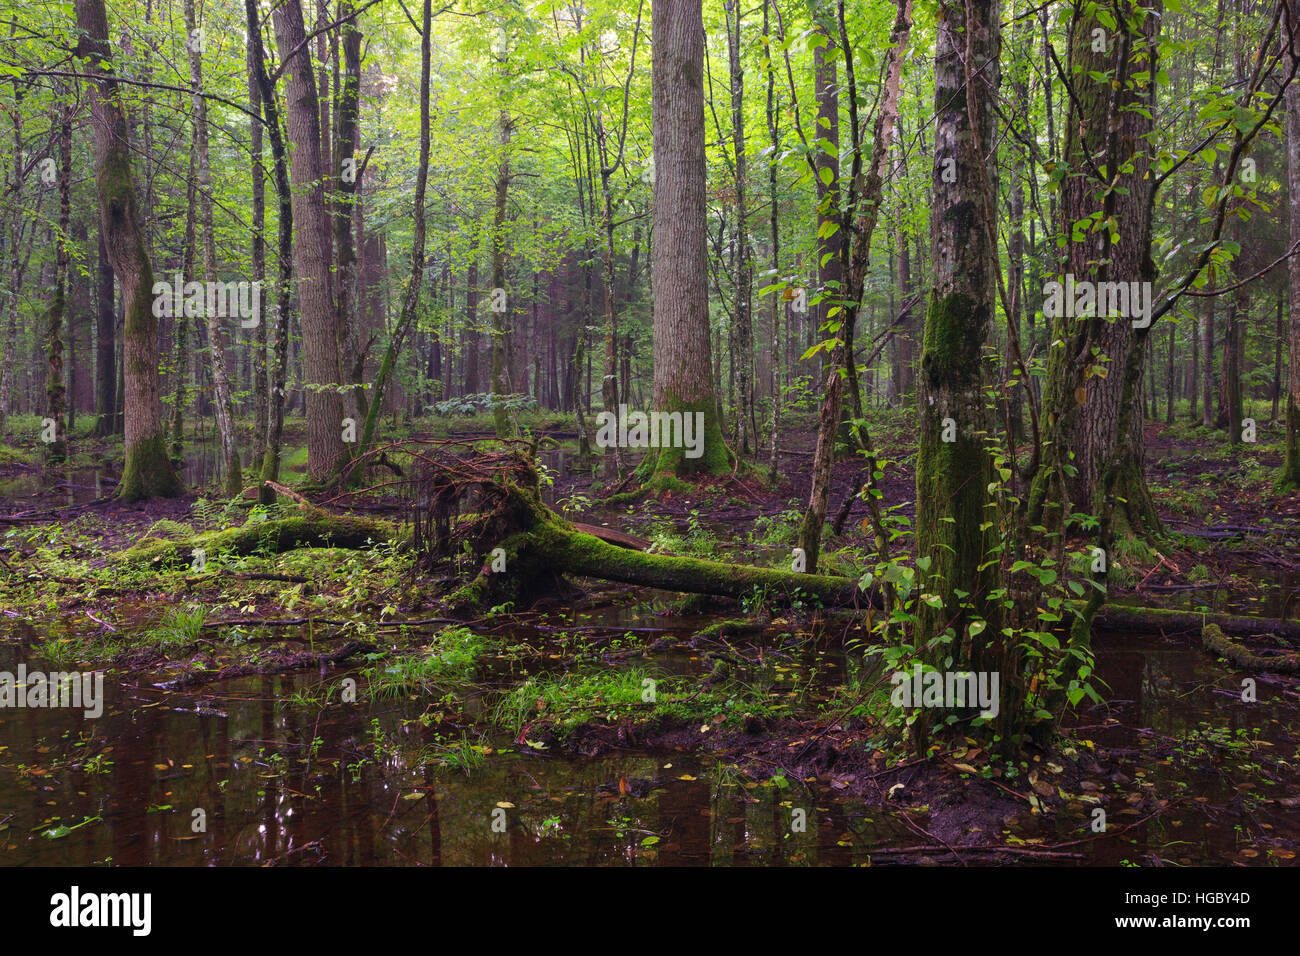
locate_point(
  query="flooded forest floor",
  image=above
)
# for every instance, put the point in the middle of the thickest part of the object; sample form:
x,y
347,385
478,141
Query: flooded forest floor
x,y
321,706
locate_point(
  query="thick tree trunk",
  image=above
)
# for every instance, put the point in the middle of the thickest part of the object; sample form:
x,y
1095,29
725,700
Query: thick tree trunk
x,y
1107,129
322,374
955,532
147,472
683,353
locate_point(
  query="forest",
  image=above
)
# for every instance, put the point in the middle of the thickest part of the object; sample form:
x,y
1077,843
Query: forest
x,y
650,433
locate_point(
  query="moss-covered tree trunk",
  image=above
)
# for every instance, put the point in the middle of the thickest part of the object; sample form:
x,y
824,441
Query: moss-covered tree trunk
x,y
1290,476
683,355
1108,129
955,521
147,471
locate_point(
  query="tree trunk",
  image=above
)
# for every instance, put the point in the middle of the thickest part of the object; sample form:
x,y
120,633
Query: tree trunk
x,y
1107,129
225,413
322,374
683,355
284,251
774,140
147,472
55,392
1208,390
411,296
1290,476
347,182
743,356
953,526
15,237
105,344
261,403
500,418
181,322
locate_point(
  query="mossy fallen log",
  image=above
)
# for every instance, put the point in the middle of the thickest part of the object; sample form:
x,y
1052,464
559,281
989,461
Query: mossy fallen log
x,y
544,547
1283,662
573,552
1116,617
314,529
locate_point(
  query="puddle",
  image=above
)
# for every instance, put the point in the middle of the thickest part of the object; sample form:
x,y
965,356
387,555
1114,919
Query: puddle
x,y
278,779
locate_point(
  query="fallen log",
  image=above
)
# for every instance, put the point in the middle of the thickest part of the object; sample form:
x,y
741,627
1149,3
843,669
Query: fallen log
x,y
1122,617
314,529
1282,662
540,548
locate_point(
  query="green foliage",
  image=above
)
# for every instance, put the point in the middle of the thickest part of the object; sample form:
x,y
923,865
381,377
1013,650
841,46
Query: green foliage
x,y
449,657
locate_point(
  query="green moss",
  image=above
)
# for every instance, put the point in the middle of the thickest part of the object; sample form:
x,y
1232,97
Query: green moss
x,y
148,472
715,457
315,530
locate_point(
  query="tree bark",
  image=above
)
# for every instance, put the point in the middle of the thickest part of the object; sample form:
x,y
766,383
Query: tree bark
x,y
147,472
1290,476
322,373
55,392
683,352
955,530
225,413
1109,128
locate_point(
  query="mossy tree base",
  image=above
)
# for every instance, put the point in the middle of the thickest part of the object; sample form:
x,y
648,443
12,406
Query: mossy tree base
x,y
148,472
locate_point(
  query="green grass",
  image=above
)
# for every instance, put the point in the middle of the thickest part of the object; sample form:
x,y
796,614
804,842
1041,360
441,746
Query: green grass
x,y
180,625
451,656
